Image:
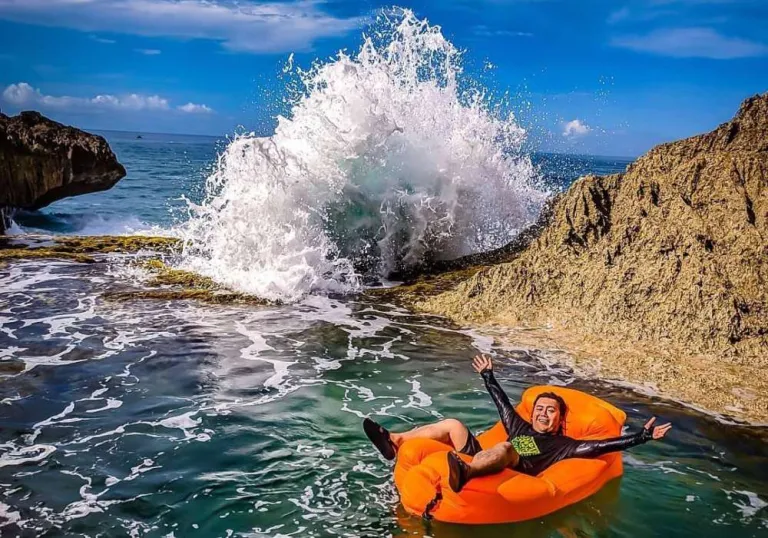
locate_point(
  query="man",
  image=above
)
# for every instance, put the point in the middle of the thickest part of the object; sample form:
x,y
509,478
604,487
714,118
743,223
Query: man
x,y
531,446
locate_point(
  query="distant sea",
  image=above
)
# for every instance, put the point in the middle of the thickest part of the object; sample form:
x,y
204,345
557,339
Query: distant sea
x,y
163,169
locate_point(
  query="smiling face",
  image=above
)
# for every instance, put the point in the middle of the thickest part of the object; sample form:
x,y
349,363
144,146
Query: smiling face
x,y
546,415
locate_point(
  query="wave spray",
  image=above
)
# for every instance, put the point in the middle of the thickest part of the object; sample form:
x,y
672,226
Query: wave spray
x,y
389,160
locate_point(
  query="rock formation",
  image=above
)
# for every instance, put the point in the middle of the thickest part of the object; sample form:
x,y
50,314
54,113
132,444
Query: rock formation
x,y
42,161
672,254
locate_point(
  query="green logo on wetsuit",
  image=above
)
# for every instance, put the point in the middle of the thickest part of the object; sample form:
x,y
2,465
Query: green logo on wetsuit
x,y
525,445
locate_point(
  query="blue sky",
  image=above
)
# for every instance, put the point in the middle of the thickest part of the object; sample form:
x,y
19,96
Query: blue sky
x,y
604,77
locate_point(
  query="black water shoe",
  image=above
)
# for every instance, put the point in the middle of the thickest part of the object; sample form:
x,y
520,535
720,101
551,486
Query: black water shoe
x,y
379,436
458,472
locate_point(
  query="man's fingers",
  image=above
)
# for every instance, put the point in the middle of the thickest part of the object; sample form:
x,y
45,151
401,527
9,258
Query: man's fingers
x,y
649,423
481,362
661,431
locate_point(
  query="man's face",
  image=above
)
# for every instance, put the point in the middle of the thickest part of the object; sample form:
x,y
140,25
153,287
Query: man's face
x,y
546,416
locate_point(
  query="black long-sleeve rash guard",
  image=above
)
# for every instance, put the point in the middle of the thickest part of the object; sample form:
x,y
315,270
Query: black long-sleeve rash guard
x,y
540,450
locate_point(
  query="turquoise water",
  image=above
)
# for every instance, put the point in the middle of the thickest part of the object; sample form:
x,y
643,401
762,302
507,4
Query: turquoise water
x,y
153,418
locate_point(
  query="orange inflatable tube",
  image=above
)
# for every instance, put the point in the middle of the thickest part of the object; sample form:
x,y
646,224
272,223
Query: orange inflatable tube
x,y
422,469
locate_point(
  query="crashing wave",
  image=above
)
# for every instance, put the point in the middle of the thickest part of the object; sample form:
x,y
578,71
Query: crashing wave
x,y
390,159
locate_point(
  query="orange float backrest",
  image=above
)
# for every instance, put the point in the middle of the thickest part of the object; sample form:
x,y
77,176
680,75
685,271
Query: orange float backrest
x,y
588,417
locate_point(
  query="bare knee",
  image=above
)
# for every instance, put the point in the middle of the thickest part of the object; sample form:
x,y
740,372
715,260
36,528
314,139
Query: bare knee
x,y
510,454
456,432
508,448
451,424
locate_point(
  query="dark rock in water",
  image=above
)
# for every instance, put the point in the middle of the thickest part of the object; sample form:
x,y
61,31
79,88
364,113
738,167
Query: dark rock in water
x,y
42,161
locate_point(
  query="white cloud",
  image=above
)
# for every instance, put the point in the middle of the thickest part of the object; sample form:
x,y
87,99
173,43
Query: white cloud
x,y
22,94
691,43
104,40
192,108
483,31
576,128
148,52
19,94
249,26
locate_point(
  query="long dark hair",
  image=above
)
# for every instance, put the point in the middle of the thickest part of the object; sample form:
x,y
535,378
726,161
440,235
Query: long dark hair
x,y
561,404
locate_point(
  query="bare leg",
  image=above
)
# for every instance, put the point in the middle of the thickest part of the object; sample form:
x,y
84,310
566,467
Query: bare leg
x,y
485,462
449,431
493,460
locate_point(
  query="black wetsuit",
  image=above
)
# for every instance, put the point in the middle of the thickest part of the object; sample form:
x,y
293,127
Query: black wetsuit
x,y
540,450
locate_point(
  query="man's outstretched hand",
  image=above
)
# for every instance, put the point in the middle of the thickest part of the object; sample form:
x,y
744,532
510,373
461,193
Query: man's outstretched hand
x,y
482,363
659,431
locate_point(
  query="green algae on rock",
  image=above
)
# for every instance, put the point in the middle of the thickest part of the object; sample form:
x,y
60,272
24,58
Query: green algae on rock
x,y
206,296
106,244
178,284
80,248
37,253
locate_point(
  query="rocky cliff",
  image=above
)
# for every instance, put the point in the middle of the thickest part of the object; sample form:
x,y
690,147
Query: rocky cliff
x,y
670,257
42,161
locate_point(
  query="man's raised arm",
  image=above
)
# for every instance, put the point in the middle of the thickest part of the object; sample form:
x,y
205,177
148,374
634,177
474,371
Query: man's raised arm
x,y
509,417
594,449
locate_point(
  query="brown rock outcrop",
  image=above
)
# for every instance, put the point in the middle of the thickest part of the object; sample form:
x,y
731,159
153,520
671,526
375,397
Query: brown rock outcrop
x,y
671,255
42,161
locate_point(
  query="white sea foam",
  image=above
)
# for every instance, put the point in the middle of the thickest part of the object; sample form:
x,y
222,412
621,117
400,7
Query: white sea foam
x,y
417,397
26,275
753,505
26,454
389,158
93,224
8,516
